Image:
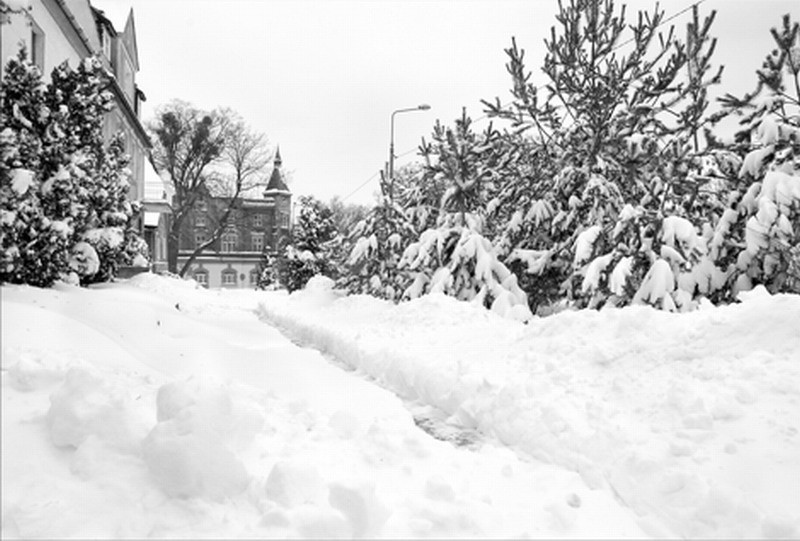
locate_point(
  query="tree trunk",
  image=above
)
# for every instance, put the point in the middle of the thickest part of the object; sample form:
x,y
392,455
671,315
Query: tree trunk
x,y
172,251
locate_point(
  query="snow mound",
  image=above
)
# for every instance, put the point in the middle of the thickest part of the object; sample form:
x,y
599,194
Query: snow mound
x,y
31,371
292,483
191,451
364,511
85,405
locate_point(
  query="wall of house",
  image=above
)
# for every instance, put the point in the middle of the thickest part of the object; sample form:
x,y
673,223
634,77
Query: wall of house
x,y
63,42
57,46
215,268
242,222
60,44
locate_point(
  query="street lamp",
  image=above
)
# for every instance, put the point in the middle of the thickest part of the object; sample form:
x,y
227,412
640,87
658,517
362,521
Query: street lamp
x,y
423,107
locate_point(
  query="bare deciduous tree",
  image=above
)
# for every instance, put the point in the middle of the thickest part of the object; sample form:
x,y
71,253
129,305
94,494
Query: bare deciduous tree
x,y
206,154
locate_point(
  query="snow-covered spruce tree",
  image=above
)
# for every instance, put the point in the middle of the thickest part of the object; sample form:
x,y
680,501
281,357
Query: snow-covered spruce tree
x,y
606,145
76,189
455,258
377,244
757,239
100,211
32,251
112,233
311,250
419,194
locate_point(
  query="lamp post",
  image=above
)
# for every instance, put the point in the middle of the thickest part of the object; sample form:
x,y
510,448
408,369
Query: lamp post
x,y
423,107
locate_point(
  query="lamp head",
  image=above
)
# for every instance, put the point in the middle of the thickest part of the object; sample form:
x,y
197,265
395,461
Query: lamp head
x,y
423,107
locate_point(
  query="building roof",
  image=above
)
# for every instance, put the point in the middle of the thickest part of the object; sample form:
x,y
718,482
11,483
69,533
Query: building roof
x,y
276,182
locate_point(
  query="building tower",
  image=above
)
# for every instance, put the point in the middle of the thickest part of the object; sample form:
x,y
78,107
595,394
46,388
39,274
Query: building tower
x,y
278,191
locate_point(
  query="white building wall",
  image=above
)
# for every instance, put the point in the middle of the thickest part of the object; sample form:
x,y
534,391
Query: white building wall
x,y
57,47
215,270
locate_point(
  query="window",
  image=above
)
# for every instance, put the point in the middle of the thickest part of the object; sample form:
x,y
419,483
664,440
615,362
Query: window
x,y
125,75
199,238
258,242
201,277
200,220
284,214
37,45
258,220
253,276
229,241
106,39
228,278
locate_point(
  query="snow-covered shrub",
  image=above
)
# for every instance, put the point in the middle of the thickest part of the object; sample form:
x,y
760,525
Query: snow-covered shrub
x,y
60,182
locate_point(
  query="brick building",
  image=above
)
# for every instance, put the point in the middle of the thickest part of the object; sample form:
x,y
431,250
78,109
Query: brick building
x,y
256,224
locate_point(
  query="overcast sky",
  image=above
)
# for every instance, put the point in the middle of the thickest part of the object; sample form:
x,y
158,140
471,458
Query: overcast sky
x,y
321,77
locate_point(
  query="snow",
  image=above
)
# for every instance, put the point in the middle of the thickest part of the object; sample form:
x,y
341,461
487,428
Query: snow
x,y
754,161
591,281
154,408
657,285
536,260
619,276
84,259
18,5
21,180
113,237
678,231
584,244
61,227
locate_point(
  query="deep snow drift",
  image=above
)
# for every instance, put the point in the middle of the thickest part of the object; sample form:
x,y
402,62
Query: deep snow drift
x,y
152,408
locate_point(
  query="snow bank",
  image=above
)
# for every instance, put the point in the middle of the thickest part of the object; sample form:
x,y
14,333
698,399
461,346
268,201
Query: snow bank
x,y
86,406
154,408
189,450
690,420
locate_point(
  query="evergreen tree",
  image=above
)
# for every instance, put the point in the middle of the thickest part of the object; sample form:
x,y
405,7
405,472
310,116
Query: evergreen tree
x,y
419,194
455,258
611,132
64,191
377,243
32,251
756,241
310,252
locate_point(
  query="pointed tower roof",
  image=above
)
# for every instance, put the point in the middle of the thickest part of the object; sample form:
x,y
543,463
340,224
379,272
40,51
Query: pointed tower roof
x,y
276,182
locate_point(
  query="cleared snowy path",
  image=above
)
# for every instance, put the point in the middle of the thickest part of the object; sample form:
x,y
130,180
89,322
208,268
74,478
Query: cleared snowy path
x,y
153,409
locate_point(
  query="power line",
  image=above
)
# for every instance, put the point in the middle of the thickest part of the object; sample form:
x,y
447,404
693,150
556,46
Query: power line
x,y
375,175
483,117
345,198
